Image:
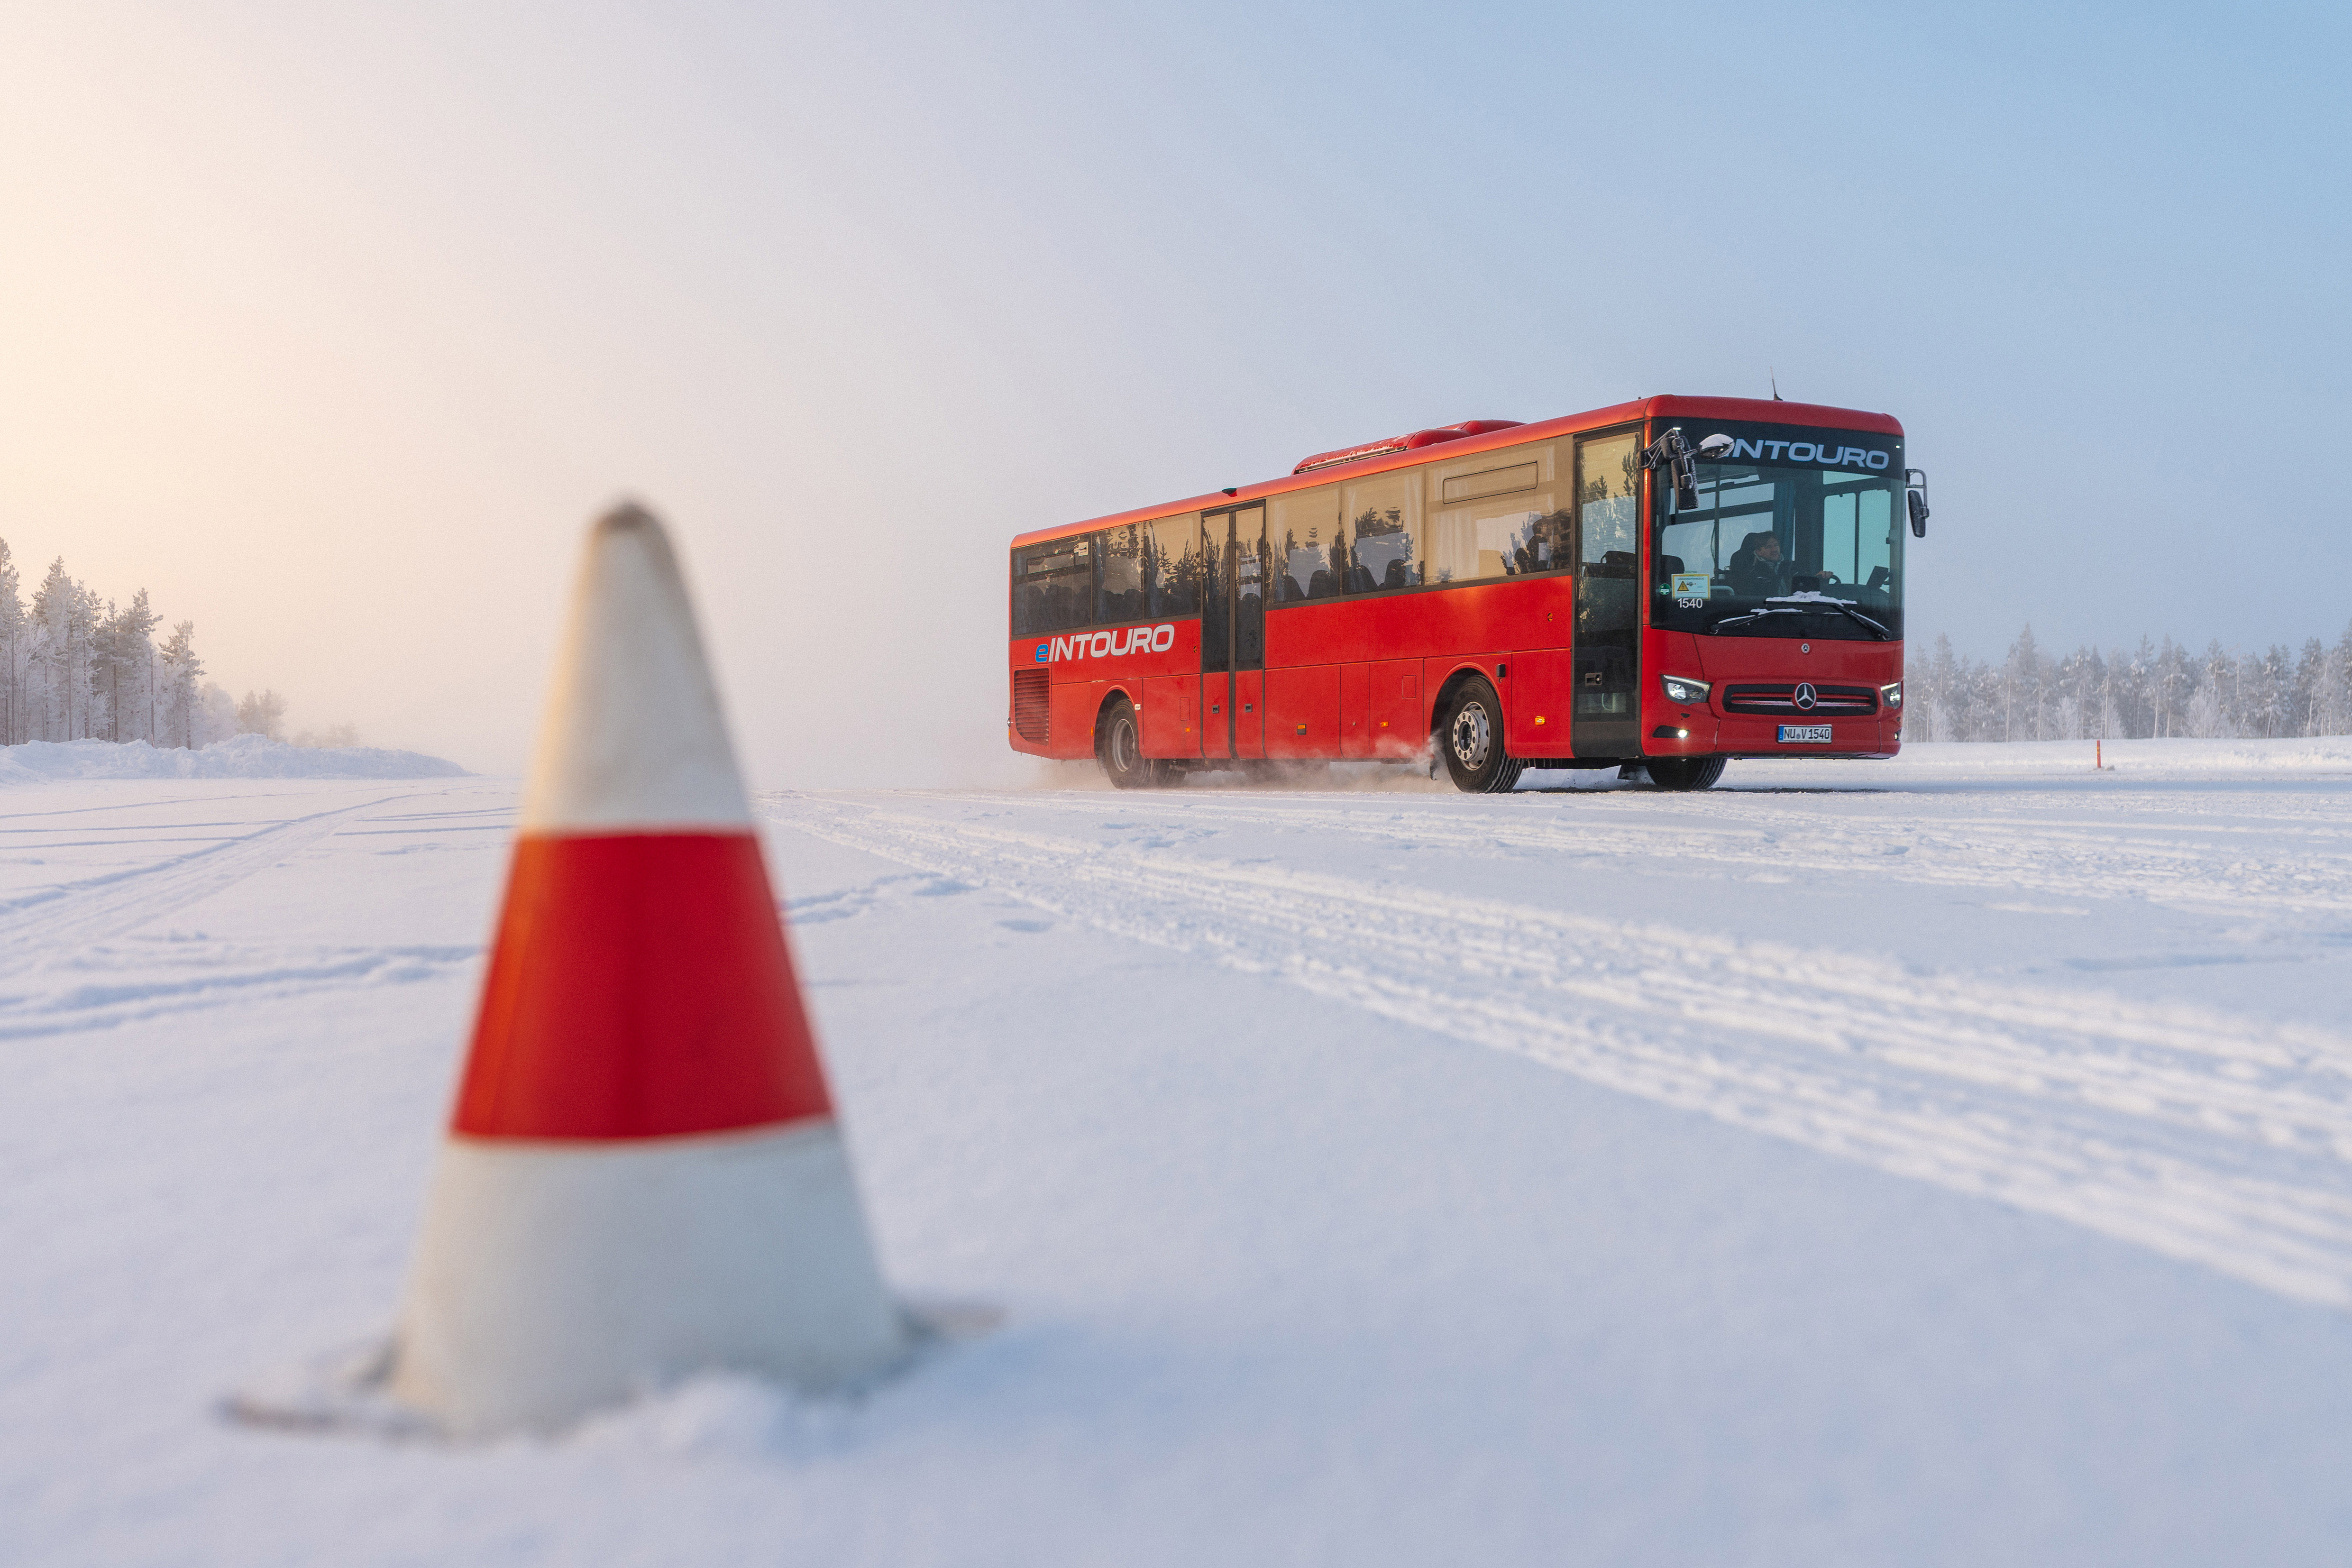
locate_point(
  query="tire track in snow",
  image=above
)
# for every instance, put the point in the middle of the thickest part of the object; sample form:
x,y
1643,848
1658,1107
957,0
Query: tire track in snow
x,y
48,923
2187,865
2188,1133
211,979
68,977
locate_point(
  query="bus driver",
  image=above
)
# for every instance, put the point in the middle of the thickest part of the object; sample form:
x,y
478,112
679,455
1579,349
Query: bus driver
x,y
1756,572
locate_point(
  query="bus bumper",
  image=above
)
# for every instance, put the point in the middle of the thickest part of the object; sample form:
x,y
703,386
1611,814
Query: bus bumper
x,y
1698,734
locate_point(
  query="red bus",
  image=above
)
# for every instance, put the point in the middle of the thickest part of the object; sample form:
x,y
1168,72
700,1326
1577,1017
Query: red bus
x,y
1660,585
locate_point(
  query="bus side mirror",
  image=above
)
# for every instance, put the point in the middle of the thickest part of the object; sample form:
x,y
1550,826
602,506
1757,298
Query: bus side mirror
x,y
1715,448
1914,498
1673,454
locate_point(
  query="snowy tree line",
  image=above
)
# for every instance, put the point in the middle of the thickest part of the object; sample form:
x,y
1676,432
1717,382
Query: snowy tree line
x,y
2156,690
76,668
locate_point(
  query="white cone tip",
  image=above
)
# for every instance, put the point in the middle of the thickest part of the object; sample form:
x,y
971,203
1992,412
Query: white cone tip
x,y
633,738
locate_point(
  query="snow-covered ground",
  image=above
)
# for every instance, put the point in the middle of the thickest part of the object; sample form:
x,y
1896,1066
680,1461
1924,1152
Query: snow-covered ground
x,y
238,757
1940,1160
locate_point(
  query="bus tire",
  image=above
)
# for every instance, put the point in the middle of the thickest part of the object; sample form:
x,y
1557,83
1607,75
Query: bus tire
x,y
1683,772
1470,737
1118,747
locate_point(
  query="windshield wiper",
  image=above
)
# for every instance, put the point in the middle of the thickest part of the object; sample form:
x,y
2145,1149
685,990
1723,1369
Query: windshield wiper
x,y
1750,615
1851,614
1803,605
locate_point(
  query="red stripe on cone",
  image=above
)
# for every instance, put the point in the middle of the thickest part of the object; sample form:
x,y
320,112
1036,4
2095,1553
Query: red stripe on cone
x,y
640,988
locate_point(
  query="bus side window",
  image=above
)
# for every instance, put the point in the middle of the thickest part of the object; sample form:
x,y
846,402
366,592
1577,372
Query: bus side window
x,y
1497,517
1545,547
1303,538
1384,533
1173,569
1053,586
1120,595
1611,481
1490,543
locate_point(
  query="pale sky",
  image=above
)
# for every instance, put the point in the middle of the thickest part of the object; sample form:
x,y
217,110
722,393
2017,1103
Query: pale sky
x,y
330,326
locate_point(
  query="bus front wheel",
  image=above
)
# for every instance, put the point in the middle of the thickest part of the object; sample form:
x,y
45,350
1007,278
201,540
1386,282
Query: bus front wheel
x,y
1683,772
1470,737
1118,746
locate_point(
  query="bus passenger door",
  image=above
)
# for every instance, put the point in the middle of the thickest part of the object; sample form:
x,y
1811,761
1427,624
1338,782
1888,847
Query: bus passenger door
x,y
1605,719
1232,634
1252,570
1217,634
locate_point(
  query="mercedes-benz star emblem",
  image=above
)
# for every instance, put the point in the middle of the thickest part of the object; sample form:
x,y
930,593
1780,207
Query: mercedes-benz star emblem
x,y
1806,696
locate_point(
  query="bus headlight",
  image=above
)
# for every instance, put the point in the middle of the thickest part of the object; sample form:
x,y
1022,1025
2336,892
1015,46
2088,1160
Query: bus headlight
x,y
1692,692
1891,695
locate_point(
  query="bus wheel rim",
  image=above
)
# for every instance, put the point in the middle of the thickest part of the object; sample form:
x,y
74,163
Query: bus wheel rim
x,y
1472,734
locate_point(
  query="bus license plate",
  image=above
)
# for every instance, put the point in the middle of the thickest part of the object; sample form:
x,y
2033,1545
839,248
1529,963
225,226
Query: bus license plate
x,y
1805,734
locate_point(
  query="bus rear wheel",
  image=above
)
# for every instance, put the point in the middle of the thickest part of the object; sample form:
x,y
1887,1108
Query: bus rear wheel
x,y
1683,772
1470,736
1118,747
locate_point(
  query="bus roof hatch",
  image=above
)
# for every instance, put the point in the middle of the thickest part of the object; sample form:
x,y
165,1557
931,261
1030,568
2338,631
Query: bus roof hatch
x,y
1414,442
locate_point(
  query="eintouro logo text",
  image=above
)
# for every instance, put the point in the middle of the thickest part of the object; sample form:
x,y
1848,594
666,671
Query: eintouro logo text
x,y
1108,644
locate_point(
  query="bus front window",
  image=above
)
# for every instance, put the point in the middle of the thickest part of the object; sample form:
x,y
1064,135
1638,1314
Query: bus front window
x,y
1811,547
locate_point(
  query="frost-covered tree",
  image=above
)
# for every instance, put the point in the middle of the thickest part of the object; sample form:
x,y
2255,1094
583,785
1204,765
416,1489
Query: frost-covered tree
x,y
2310,675
125,660
2079,701
2176,688
2336,689
2131,680
73,667
12,637
1927,695
2262,693
2023,694
2211,707
121,658
262,713
83,613
53,667
99,670
2158,689
180,667
215,716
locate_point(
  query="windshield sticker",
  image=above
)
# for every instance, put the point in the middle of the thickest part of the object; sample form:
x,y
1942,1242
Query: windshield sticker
x,y
1690,585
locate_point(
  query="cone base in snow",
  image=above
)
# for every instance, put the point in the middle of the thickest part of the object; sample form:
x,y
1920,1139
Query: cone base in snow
x,y
346,1391
553,1277
341,1391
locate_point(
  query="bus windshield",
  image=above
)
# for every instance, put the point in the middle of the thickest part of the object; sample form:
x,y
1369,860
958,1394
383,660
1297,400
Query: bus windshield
x,y
1798,532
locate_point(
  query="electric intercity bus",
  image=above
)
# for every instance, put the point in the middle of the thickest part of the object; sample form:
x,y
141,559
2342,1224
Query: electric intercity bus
x,y
1657,586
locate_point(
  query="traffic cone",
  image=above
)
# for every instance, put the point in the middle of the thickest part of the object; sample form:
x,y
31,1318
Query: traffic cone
x,y
643,1177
